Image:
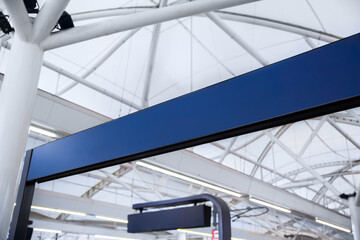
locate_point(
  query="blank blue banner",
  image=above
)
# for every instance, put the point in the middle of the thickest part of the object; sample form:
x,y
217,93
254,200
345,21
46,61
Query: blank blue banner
x,y
319,78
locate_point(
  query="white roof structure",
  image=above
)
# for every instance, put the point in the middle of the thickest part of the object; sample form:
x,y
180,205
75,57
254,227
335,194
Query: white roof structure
x,y
302,167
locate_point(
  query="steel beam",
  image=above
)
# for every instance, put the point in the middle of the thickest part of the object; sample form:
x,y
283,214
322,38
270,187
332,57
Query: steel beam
x,y
151,59
90,84
50,111
247,47
141,19
305,165
221,63
98,62
315,166
268,147
98,187
232,16
198,167
87,228
47,18
227,149
85,82
342,132
279,25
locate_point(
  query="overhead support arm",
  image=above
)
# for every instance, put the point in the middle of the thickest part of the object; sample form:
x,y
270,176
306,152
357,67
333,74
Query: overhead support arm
x,y
299,160
150,65
228,149
268,147
342,132
310,42
83,81
151,60
132,21
90,85
283,26
202,168
47,18
312,136
113,12
206,49
217,20
19,18
105,55
354,114
237,17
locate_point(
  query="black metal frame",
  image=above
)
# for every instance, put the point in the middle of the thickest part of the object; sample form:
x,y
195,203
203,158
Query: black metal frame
x,y
220,207
21,214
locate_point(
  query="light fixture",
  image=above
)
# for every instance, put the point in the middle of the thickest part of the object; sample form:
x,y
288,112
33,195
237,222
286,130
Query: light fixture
x,y
269,205
333,225
112,219
202,233
31,6
58,210
111,237
46,230
43,132
65,21
194,232
189,179
4,24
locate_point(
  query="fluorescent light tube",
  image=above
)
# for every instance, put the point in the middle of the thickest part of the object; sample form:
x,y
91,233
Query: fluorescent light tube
x,y
333,225
203,234
58,210
46,230
269,205
43,132
112,219
189,179
194,232
111,237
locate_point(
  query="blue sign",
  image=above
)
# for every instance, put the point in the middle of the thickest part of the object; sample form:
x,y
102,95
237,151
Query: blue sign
x,y
289,90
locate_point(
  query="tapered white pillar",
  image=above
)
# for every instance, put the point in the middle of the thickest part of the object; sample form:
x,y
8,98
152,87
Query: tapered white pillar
x,y
355,218
17,98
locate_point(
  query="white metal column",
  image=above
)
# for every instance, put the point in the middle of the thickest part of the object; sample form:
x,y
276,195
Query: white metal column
x,y
181,236
17,99
355,218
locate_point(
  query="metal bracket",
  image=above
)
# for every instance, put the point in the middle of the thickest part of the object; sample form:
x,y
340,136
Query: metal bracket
x,y
220,207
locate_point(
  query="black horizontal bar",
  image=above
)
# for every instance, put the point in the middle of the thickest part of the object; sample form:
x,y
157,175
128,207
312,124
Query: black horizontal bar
x,y
170,202
170,219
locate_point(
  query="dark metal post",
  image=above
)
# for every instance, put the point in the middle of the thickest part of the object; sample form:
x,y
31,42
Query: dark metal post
x,y
20,220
